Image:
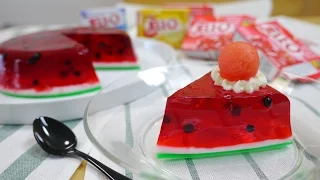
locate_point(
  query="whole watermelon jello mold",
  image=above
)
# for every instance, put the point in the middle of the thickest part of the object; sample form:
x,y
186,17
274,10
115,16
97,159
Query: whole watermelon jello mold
x,y
206,119
50,64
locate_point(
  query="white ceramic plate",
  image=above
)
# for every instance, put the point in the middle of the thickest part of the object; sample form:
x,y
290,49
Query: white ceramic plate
x,y
14,110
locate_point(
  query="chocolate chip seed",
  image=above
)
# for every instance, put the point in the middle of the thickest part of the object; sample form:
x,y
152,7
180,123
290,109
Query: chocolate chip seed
x,y
35,82
67,62
4,56
250,128
236,111
267,101
188,128
166,119
35,58
102,45
98,56
120,51
77,73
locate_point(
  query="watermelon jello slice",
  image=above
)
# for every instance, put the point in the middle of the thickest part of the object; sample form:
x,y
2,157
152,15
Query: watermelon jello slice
x,y
109,48
204,119
60,63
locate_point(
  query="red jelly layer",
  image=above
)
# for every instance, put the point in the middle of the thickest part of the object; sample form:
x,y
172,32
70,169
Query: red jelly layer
x,y
44,60
105,45
203,115
48,59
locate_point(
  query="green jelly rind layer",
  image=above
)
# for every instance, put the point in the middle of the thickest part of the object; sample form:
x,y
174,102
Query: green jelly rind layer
x,y
224,153
74,93
117,67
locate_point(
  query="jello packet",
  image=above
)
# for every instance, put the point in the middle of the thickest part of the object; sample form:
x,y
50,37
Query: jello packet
x,y
167,25
280,51
237,20
206,35
104,17
195,9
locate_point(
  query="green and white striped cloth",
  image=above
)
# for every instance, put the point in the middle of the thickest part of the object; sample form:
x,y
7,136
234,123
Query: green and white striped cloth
x,y
22,158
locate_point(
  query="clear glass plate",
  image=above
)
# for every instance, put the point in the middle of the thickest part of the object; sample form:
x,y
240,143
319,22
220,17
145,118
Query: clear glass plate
x,y
127,132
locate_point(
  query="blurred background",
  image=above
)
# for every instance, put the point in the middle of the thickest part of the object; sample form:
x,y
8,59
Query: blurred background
x,y
17,12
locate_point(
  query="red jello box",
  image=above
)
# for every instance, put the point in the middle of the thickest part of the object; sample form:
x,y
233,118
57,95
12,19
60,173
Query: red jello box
x,y
280,51
206,35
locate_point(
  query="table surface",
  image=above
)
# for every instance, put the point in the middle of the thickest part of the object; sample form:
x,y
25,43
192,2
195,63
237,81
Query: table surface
x,y
310,19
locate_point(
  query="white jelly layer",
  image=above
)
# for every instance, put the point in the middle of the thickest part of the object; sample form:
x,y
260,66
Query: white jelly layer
x,y
248,86
124,64
193,150
53,90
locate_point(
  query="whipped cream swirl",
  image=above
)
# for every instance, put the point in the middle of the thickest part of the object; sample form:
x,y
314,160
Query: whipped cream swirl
x,y
248,86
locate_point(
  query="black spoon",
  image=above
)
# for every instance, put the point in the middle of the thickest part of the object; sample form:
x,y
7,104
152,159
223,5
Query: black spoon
x,y
57,139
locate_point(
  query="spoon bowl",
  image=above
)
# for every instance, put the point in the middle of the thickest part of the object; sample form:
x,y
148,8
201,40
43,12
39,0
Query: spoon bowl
x,y
54,137
57,139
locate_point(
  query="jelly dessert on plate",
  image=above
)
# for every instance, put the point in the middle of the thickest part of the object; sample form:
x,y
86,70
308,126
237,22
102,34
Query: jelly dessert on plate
x,y
108,48
61,62
227,111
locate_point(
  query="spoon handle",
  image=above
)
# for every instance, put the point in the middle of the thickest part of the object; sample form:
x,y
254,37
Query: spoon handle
x,y
110,173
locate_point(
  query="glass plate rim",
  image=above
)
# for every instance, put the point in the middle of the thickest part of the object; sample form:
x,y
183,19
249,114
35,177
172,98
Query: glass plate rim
x,y
96,144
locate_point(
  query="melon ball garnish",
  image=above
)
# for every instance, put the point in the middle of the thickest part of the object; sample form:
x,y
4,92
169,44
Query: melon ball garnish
x,y
238,61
